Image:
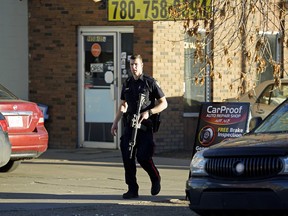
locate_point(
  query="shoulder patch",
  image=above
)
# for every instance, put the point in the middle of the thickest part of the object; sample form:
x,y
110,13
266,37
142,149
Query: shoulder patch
x,y
148,77
157,83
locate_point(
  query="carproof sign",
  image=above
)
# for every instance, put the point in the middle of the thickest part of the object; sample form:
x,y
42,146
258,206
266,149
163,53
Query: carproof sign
x,y
219,121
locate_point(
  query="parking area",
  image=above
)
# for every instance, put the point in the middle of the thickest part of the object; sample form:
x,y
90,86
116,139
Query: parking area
x,y
90,182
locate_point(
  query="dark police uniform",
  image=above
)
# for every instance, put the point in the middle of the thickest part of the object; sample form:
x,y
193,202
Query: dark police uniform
x,y
144,147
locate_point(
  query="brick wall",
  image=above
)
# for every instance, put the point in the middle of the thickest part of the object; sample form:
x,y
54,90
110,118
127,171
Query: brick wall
x,y
53,66
53,69
53,59
168,68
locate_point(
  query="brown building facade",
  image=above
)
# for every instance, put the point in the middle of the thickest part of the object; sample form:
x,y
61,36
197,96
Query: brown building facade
x,y
72,80
78,61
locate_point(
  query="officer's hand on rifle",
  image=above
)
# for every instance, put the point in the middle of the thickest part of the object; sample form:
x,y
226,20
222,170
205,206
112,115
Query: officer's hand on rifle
x,y
144,115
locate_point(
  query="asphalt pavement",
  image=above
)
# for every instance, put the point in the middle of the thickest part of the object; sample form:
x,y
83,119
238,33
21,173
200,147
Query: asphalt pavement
x,y
90,182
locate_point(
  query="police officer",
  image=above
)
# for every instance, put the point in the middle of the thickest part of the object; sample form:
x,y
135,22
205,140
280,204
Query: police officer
x,y
144,148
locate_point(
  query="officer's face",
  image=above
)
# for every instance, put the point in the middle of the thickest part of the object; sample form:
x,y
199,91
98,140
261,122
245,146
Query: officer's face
x,y
136,67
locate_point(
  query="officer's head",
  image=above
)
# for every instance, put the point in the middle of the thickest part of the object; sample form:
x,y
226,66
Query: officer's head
x,y
136,56
136,65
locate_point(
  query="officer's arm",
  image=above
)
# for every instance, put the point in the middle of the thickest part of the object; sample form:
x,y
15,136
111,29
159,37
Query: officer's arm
x,y
122,109
159,107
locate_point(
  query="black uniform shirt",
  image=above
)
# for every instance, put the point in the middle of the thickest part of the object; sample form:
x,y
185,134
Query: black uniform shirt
x,y
145,84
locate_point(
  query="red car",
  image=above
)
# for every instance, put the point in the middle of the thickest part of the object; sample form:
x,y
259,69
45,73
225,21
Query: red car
x,y
27,133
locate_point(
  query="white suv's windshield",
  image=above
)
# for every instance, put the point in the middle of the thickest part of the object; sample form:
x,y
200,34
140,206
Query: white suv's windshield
x,y
276,122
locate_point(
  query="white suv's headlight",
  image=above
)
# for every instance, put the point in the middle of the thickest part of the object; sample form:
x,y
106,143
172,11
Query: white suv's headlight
x,y
197,165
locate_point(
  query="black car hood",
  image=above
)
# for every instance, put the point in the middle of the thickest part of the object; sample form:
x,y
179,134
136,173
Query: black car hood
x,y
251,144
259,140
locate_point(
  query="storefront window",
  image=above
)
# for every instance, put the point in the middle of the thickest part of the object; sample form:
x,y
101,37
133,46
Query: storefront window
x,y
98,60
194,73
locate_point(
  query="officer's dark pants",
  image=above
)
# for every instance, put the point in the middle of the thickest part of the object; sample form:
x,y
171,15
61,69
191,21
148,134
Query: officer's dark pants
x,y
143,151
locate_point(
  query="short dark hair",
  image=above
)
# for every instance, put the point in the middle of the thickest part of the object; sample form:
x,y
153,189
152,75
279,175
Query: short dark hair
x,y
136,56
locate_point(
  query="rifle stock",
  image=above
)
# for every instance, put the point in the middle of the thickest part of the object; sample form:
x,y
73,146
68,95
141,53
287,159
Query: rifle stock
x,y
135,124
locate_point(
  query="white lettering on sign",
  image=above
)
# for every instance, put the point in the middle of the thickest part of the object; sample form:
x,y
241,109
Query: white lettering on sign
x,y
224,110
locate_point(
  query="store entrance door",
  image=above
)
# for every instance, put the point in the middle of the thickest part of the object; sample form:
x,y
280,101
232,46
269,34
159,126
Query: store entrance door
x,y
104,58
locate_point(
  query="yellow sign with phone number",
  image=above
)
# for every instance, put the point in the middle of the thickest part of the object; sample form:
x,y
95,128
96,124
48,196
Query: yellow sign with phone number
x,y
149,10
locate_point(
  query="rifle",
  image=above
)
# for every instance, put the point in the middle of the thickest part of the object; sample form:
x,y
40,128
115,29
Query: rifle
x,y
135,123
